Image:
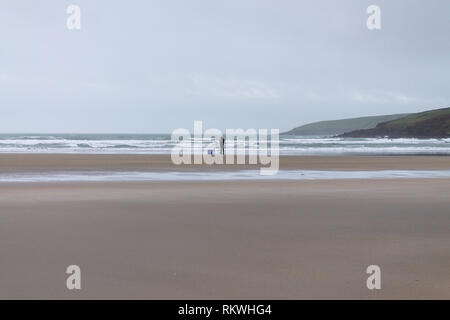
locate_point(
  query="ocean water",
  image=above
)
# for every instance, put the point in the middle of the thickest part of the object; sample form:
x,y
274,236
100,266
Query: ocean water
x,y
162,144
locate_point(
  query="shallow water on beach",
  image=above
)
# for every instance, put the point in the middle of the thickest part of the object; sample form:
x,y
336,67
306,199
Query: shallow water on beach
x,y
105,176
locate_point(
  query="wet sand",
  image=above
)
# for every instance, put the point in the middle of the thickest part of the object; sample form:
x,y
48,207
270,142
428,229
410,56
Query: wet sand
x,y
231,240
80,162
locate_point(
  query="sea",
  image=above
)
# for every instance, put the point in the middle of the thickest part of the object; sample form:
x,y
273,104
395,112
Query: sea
x,y
163,144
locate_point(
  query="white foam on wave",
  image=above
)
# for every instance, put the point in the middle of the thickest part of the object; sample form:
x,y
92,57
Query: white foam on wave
x,y
162,144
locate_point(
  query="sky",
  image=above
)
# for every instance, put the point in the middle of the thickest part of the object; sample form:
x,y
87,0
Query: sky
x,y
143,66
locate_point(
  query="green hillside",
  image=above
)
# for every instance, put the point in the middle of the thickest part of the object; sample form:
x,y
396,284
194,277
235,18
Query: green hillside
x,y
336,127
427,124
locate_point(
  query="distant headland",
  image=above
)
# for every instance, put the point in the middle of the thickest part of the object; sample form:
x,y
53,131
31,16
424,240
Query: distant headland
x,y
427,124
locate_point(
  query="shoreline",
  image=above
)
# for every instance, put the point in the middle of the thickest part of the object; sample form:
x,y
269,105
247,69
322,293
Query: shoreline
x,y
217,176
167,183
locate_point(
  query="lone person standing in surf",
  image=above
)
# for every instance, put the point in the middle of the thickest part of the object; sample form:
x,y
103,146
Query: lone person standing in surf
x,y
222,145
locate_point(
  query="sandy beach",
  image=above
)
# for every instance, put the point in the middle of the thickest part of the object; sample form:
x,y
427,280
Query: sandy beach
x,y
230,240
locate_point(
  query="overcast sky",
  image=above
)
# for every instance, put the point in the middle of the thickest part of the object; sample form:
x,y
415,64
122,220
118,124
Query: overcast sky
x,y
153,66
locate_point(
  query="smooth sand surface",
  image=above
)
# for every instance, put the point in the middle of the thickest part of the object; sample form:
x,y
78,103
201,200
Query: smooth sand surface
x,y
246,239
79,162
